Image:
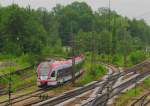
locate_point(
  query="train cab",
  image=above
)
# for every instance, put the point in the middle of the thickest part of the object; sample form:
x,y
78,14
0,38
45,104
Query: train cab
x,y
46,74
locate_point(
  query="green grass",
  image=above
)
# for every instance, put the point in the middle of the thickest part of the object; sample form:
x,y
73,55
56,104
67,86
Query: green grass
x,y
16,84
18,81
147,82
8,69
127,96
4,57
118,60
134,92
20,63
88,76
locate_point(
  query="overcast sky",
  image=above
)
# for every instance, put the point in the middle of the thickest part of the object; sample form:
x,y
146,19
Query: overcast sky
x,y
129,8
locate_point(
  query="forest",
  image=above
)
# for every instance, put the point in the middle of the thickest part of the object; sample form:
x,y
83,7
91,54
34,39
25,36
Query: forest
x,y
102,33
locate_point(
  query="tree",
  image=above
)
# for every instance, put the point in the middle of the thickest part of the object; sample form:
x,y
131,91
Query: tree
x,y
105,42
42,32
23,34
125,45
78,13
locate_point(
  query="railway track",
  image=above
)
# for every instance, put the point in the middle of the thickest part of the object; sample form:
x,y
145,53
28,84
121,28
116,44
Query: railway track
x,y
139,67
4,90
71,94
30,95
102,85
68,95
18,72
35,94
103,99
136,69
142,101
24,73
20,98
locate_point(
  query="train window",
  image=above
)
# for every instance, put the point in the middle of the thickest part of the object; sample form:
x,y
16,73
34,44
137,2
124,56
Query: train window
x,y
44,69
53,74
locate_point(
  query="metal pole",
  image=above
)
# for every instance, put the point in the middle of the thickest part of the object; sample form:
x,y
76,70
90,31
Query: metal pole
x,y
73,55
93,53
9,85
9,89
109,32
109,15
135,87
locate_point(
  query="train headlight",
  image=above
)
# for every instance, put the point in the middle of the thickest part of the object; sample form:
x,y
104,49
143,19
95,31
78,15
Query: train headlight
x,y
43,77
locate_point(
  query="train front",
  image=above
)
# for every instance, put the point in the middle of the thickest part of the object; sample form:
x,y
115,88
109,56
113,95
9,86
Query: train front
x,y
46,74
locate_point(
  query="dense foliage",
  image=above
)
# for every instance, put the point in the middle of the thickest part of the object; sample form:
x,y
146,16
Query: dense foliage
x,y
42,32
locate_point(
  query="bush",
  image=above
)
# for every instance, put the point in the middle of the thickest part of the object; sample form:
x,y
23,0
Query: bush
x,y
117,60
23,60
88,76
137,57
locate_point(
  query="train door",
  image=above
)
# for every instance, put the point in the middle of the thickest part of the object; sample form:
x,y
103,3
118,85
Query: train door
x,y
60,77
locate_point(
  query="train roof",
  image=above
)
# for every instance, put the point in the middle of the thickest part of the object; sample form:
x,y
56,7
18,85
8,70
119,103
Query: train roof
x,y
57,64
61,64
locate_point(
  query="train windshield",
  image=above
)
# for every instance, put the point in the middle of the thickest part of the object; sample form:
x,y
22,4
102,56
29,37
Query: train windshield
x,y
44,69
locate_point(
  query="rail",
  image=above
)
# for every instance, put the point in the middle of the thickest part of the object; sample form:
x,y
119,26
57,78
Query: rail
x,y
141,100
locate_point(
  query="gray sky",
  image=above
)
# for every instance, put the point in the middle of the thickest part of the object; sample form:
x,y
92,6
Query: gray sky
x,y
130,8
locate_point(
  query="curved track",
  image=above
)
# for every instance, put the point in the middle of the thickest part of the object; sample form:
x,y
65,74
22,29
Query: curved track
x,y
68,95
110,81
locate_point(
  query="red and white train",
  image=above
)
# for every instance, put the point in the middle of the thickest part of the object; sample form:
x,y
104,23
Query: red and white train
x,y
52,73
